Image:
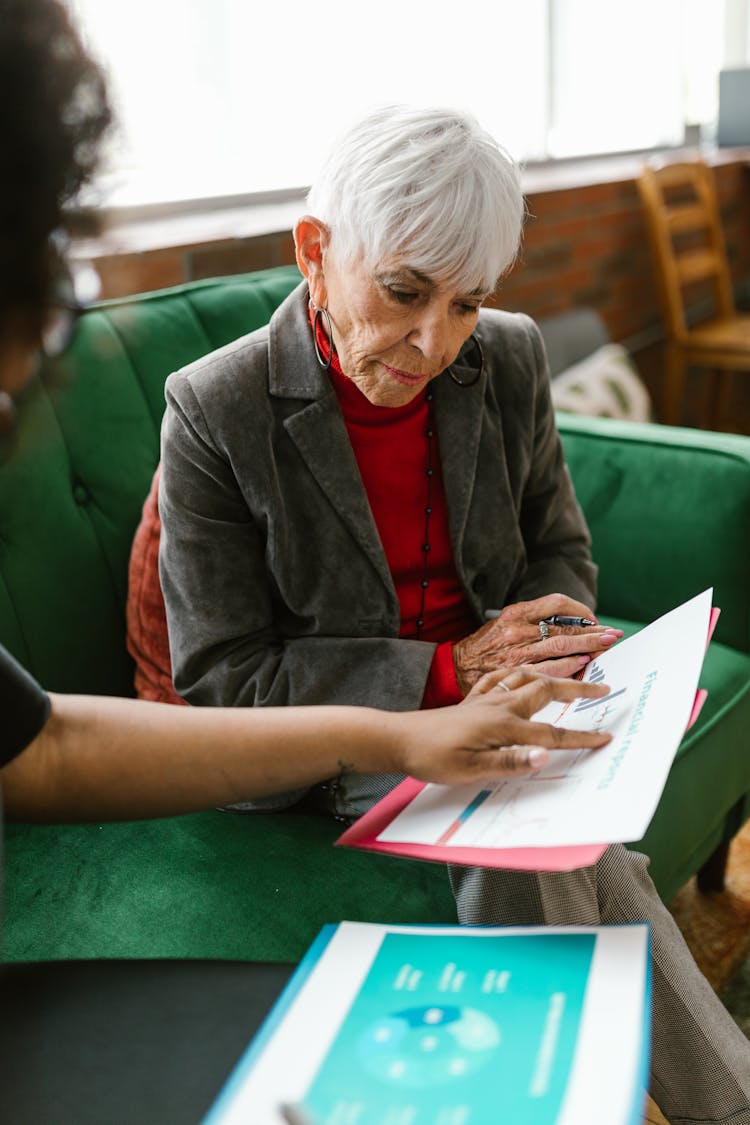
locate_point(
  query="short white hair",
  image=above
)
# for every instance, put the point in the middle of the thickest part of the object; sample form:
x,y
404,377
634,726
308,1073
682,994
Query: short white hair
x,y
427,186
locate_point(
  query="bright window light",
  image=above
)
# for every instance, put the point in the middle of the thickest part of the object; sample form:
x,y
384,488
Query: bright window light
x,y
226,97
616,87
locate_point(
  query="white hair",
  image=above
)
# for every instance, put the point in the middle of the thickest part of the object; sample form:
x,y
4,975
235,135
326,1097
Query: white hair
x,y
426,186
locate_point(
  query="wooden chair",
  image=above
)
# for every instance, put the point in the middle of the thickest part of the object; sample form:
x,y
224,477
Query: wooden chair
x,y
702,324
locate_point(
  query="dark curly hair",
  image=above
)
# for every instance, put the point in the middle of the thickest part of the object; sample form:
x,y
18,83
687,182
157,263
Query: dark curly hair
x,y
53,114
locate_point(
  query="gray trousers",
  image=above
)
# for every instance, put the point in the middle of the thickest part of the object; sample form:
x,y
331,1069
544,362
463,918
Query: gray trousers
x,y
700,1060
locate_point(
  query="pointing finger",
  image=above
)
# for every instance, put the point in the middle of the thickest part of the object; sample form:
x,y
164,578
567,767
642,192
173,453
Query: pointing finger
x,y
560,738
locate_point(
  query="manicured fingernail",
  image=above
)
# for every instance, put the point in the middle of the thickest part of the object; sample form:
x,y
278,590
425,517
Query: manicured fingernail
x,y
608,638
537,757
583,660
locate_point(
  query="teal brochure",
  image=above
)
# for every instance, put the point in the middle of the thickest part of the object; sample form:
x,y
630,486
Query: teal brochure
x,y
451,1026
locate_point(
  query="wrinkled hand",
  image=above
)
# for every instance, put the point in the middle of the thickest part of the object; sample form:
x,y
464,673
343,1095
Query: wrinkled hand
x,y
513,638
489,736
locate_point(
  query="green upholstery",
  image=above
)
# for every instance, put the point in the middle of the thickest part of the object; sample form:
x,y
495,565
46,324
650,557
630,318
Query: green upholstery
x,y
73,486
668,512
213,884
670,515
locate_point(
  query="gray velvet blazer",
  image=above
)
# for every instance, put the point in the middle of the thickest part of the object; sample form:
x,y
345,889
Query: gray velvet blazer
x,y
275,581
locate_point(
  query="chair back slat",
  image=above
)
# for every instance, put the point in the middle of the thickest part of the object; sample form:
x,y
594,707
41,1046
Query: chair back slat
x,y
697,265
687,240
684,218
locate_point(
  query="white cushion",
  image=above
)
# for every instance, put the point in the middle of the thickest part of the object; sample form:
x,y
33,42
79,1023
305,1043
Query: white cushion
x,y
605,384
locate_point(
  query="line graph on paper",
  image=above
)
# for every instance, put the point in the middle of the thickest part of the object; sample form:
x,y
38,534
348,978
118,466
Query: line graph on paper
x,y
523,805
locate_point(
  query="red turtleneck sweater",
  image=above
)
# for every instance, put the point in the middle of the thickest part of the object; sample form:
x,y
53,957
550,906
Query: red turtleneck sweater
x,y
391,449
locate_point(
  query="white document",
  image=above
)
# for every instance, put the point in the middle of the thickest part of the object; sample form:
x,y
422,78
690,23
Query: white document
x,y
391,1025
585,796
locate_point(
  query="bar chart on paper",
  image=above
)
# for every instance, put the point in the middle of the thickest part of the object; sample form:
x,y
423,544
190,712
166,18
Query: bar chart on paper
x,y
580,797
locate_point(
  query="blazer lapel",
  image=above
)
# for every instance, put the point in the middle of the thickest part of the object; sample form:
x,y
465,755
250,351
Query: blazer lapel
x,y
458,414
481,511
317,428
319,432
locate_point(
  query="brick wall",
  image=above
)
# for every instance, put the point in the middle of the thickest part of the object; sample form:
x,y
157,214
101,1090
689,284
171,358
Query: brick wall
x,y
125,272
584,244
588,246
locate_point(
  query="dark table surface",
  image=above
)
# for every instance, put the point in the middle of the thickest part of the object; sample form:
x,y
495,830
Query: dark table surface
x,y
125,1042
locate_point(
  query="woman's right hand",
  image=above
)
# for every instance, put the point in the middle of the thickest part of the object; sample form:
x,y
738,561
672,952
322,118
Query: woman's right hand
x,y
490,735
515,637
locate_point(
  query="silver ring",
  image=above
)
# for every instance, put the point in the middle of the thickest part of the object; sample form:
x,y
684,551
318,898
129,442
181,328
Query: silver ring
x,y
500,684
543,630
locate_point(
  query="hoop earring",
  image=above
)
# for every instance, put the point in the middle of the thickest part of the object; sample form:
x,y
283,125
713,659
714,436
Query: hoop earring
x,y
474,378
324,363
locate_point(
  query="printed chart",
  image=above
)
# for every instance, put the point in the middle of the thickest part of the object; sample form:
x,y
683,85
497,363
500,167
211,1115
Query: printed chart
x,y
582,797
415,1025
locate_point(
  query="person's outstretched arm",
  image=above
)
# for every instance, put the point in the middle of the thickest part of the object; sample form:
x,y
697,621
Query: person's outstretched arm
x,y
102,758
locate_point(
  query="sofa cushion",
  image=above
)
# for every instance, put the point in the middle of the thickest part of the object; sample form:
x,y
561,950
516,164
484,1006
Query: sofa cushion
x,y
216,884
668,513
87,448
605,384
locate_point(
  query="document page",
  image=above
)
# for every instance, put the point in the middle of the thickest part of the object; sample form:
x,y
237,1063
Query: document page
x,y
447,1025
584,796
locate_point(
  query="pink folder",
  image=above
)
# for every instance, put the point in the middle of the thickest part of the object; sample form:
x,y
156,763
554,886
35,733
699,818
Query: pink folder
x,y
364,833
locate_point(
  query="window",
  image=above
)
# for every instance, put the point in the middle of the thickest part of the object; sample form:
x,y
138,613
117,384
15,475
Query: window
x,y
225,97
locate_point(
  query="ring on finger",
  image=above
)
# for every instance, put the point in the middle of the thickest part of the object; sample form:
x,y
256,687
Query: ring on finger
x,y
502,685
543,630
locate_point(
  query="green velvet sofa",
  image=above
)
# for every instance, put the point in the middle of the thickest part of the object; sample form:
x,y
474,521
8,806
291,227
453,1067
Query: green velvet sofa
x,y
670,514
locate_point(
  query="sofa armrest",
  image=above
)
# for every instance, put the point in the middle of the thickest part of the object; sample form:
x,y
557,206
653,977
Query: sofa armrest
x,y
669,513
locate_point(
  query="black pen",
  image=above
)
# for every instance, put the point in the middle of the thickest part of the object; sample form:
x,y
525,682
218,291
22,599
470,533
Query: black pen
x,y
561,619
556,619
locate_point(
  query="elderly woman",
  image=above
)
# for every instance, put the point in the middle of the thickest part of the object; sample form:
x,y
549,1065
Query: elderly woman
x,y
349,493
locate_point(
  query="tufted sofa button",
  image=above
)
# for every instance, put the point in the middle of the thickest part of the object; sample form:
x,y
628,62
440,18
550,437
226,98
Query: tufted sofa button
x,y
81,494
479,584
